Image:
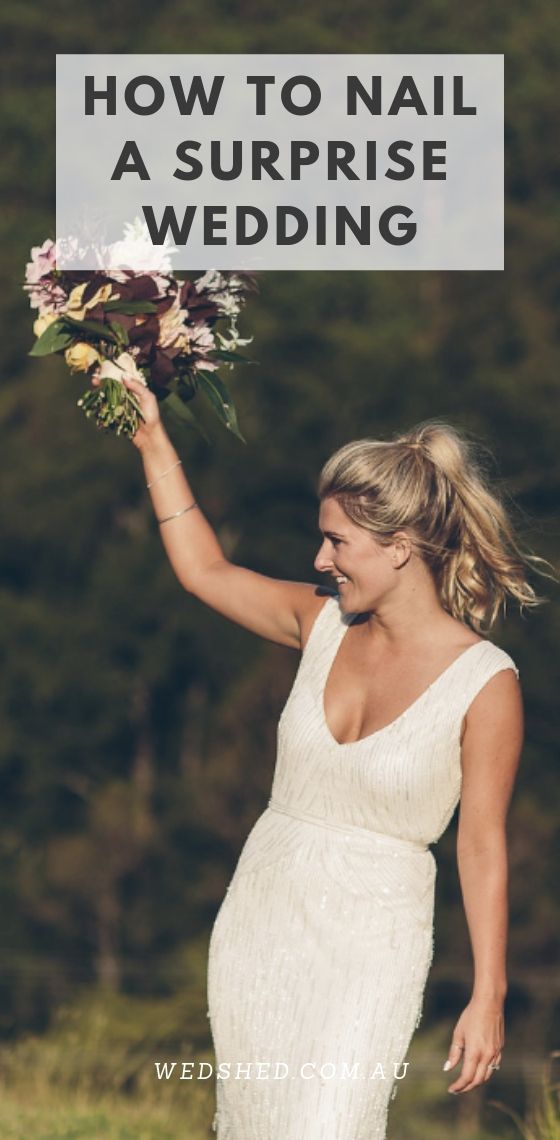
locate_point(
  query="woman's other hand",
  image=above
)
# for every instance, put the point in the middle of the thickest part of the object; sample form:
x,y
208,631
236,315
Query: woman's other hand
x,y
477,1041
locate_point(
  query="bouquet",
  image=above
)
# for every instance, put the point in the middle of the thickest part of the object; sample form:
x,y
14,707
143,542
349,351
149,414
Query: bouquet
x,y
140,322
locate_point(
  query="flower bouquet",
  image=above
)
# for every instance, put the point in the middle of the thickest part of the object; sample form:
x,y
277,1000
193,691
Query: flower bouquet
x,y
141,322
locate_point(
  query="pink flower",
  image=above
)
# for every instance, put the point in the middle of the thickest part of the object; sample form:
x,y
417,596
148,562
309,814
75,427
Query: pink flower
x,y
43,260
202,342
123,276
46,296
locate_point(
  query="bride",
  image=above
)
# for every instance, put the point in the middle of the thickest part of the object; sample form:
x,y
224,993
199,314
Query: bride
x,y
322,946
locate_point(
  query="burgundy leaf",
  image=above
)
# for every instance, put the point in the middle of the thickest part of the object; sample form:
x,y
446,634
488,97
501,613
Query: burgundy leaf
x,y
161,368
198,303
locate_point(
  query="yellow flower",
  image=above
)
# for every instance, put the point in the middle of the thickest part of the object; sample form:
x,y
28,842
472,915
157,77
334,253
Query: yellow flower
x,y
43,321
172,331
75,308
79,357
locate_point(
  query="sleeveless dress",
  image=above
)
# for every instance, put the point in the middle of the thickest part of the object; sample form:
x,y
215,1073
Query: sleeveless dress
x,y
320,951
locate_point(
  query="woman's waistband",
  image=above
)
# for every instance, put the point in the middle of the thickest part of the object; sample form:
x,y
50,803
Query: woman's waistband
x,y
384,840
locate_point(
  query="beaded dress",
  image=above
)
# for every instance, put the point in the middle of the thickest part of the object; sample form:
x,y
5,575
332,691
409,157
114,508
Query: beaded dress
x,y
320,951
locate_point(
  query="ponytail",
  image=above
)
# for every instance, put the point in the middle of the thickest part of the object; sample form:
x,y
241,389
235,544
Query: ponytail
x,y
431,481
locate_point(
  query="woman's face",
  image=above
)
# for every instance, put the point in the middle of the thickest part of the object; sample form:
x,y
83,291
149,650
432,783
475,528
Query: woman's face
x,y
363,569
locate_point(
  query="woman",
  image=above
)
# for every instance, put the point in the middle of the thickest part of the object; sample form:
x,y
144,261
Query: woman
x,y
321,949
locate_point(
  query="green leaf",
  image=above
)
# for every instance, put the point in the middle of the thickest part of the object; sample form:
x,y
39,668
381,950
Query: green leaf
x,y
54,339
130,308
217,393
225,354
185,386
120,332
183,413
97,328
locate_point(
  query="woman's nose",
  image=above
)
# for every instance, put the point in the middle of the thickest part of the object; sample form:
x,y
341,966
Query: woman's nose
x,y
322,561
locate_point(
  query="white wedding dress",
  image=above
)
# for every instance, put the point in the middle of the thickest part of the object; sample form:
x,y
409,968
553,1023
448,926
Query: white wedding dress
x,y
320,951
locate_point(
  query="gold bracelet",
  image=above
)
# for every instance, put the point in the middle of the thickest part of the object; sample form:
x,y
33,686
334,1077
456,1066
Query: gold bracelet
x,y
163,474
177,514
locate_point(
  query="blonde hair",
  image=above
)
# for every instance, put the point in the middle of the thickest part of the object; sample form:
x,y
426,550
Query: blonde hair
x,y
431,483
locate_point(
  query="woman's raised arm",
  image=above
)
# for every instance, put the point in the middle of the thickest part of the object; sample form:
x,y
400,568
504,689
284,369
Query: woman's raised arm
x,y
278,610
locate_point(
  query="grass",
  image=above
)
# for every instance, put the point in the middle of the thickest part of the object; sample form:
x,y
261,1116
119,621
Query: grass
x,y
543,1122
61,1116
92,1077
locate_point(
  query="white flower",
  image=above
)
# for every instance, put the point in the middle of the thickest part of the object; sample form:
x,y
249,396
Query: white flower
x,y
211,281
135,251
229,304
225,292
234,341
123,365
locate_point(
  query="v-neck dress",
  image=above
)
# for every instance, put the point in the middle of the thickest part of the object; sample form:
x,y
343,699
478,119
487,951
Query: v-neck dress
x,y
320,952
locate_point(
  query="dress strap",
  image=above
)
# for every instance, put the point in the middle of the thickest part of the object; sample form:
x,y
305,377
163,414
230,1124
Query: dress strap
x,y
327,632
478,670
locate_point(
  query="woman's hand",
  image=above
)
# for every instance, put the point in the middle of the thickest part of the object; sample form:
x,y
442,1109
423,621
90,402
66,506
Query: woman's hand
x,y
478,1040
150,425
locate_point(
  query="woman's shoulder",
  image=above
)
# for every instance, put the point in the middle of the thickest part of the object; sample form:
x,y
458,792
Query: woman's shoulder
x,y
477,661
481,654
480,664
323,606
494,658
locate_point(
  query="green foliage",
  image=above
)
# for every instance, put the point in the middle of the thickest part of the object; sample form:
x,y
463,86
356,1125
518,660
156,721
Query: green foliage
x,y
56,337
543,1120
96,329
94,1072
130,307
104,1042
73,1119
112,407
220,399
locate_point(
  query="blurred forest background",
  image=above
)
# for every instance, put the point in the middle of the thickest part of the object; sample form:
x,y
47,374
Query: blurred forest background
x,y
137,731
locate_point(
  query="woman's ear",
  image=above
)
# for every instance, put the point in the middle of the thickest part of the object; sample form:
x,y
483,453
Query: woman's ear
x,y
401,549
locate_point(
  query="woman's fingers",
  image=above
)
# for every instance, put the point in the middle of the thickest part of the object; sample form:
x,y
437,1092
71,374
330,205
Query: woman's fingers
x,y
492,1066
128,381
478,1040
148,405
134,385
466,1075
476,1070
145,400
454,1056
